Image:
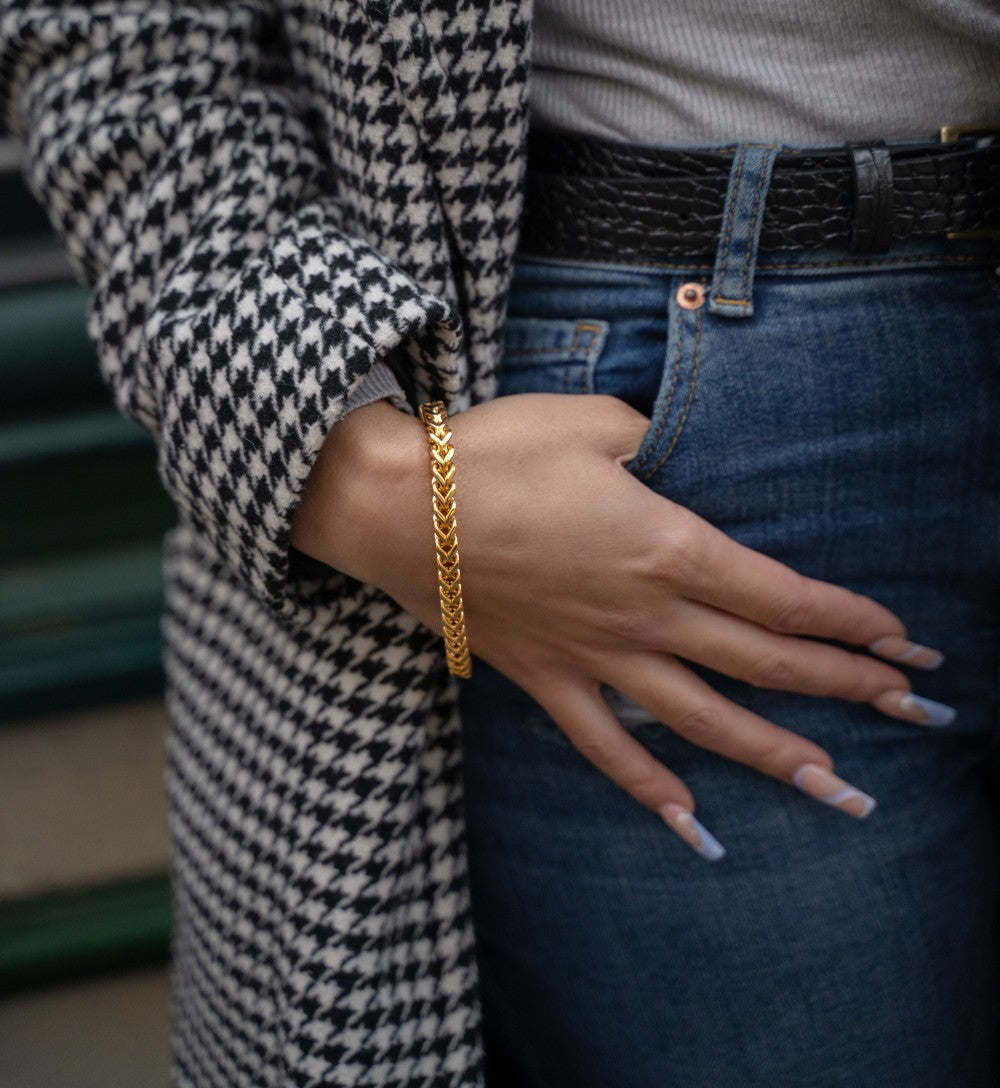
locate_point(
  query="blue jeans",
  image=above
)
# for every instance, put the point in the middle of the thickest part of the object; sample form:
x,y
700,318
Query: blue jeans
x,y
849,428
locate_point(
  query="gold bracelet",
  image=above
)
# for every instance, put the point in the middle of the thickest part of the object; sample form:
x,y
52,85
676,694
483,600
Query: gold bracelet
x,y
434,416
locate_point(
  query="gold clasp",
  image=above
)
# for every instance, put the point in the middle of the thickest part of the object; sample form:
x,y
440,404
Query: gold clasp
x,y
950,133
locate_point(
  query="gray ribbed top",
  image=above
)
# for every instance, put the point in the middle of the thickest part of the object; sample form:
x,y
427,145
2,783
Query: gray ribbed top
x,y
801,71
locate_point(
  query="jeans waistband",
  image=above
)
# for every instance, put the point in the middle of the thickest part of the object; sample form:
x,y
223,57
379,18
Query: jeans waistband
x,y
923,253
724,210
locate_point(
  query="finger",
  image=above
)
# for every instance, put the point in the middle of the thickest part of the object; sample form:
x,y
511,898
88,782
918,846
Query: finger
x,y
905,652
739,648
620,425
593,729
674,695
730,576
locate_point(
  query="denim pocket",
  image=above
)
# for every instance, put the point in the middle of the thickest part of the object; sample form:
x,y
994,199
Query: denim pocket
x,y
643,347
678,378
550,355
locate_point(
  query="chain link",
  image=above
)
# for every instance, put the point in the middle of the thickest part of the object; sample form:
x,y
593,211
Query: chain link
x,y
434,416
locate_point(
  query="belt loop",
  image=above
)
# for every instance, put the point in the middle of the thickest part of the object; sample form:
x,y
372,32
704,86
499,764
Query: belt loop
x,y
872,167
731,293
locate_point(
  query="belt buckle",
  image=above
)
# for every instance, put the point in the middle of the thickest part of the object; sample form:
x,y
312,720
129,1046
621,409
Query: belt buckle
x,y
951,133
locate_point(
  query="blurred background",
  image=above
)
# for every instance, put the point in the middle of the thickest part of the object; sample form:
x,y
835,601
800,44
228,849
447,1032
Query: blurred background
x,y
84,897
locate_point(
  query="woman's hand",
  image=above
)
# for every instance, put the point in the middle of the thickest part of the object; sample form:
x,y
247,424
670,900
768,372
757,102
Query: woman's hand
x,y
574,573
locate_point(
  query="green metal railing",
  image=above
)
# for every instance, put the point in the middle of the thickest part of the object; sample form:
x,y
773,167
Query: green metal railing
x,y
80,582
62,937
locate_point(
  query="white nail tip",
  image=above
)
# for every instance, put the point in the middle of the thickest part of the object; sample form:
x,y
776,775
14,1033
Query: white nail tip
x,y
831,790
692,831
902,651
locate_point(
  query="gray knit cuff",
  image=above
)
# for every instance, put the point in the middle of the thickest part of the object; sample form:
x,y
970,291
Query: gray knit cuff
x,y
377,383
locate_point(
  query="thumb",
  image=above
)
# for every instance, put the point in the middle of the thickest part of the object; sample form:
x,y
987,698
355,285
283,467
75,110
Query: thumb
x,y
642,428
618,424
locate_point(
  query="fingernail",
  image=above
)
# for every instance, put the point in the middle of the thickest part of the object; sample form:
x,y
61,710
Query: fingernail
x,y
825,786
692,832
914,708
904,652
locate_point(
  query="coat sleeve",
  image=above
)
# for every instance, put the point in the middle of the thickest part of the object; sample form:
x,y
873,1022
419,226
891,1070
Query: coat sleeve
x,y
233,316
379,382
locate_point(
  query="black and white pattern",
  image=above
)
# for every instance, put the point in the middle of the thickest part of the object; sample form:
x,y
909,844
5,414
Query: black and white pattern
x,y
266,199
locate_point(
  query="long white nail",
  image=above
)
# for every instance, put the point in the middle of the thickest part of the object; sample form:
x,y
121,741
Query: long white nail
x,y
825,786
914,708
696,835
904,652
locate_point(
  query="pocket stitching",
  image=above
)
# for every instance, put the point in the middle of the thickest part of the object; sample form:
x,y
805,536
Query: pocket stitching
x,y
573,348
690,397
578,354
654,438
589,355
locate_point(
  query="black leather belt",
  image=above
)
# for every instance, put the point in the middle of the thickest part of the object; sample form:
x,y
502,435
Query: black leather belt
x,y
599,199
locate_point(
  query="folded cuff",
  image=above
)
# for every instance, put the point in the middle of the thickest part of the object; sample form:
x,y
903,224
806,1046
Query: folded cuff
x,y
379,382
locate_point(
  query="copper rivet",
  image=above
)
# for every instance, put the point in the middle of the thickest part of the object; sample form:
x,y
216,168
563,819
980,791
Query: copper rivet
x,y
690,296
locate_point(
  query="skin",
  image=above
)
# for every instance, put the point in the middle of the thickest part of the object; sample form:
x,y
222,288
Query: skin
x,y
575,573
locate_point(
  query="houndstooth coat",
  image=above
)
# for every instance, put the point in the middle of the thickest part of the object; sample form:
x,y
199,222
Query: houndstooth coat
x,y
266,197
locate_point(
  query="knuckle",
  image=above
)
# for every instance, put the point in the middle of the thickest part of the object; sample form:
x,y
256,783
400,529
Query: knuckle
x,y
794,613
628,624
674,561
774,670
671,565
859,686
776,754
601,749
704,725
642,783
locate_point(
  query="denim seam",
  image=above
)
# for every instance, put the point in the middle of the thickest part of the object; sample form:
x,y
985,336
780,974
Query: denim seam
x,y
764,175
690,398
585,326
573,349
964,258
665,412
591,354
586,356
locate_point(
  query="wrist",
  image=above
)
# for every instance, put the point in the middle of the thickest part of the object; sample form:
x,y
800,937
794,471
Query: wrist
x,y
363,492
